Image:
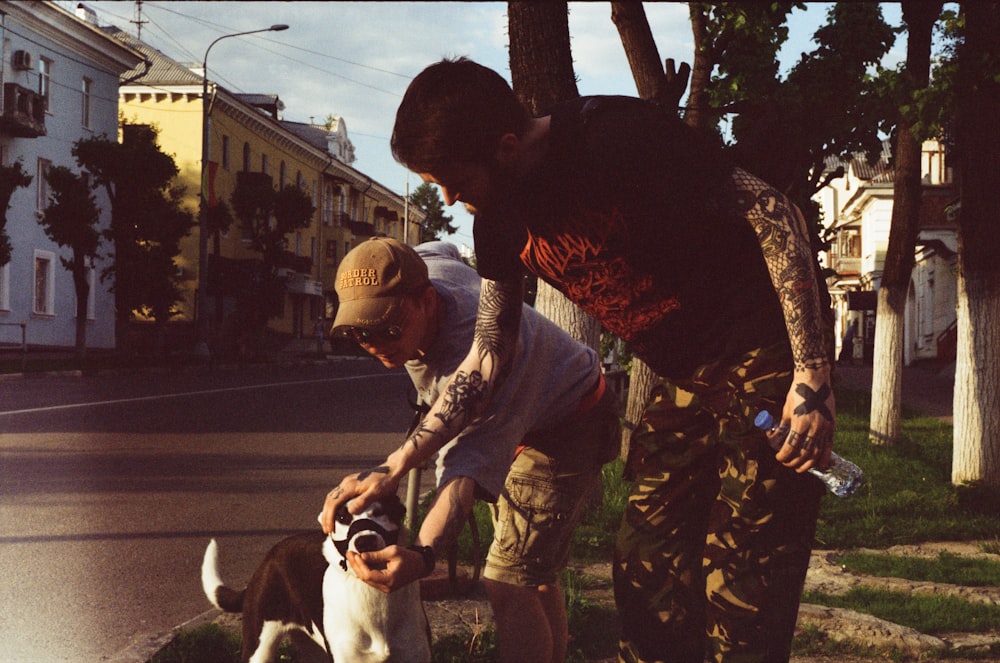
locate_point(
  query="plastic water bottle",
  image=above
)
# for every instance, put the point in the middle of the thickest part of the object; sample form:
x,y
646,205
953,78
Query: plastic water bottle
x,y
842,477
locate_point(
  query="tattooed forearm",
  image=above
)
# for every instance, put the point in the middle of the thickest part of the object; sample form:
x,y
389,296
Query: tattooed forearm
x,y
461,397
459,402
784,241
471,387
498,320
422,432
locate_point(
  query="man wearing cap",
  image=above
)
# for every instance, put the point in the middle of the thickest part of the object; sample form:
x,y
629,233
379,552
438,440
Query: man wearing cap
x,y
535,451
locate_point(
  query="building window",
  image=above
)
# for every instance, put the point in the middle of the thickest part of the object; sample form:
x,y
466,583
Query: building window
x,y
282,175
850,244
43,184
264,165
331,250
246,157
327,213
44,81
45,283
299,182
85,106
5,287
225,153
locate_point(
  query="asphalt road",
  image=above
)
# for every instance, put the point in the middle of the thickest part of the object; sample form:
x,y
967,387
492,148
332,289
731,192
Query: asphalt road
x,y
112,485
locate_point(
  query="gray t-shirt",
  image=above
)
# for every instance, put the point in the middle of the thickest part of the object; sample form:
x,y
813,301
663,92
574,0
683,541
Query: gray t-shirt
x,y
551,373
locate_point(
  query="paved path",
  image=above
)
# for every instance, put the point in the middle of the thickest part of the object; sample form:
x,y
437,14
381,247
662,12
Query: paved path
x,y
928,388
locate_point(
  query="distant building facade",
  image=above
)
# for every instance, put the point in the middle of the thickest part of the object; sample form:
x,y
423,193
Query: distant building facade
x,y
249,139
857,211
59,83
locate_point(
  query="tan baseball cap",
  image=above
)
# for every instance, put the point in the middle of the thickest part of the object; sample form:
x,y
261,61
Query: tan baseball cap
x,y
372,281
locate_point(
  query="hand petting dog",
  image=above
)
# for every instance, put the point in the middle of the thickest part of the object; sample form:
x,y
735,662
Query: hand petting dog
x,y
358,491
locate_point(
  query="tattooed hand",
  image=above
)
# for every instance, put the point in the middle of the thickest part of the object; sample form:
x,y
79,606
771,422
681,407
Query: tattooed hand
x,y
361,489
810,411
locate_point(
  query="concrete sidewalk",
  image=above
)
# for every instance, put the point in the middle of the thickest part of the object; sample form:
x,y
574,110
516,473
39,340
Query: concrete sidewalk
x,y
927,387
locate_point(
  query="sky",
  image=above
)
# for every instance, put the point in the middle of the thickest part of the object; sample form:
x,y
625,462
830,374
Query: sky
x,y
355,59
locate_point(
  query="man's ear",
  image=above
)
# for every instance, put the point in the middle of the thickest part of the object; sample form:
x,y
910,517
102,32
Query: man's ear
x,y
509,149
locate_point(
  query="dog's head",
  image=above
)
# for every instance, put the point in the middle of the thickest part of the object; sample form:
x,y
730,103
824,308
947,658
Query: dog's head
x,y
375,528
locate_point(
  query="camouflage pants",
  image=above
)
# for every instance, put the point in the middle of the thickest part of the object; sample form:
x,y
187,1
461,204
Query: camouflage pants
x,y
715,541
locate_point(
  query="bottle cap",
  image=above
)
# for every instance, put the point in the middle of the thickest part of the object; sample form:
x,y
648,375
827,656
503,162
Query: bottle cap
x,y
764,420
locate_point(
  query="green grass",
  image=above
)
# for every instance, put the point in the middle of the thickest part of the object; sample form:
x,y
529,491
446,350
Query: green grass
x,y
907,496
811,641
945,568
926,613
208,643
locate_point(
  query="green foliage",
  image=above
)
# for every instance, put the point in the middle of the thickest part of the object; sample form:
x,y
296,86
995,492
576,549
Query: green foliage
x,y
71,217
828,105
945,568
811,641
924,612
478,646
269,215
208,643
427,198
907,496
12,177
147,219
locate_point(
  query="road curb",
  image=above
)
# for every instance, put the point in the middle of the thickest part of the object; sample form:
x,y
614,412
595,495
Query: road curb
x,y
146,646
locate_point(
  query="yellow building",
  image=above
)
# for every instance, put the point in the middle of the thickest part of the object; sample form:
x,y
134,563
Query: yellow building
x,y
248,139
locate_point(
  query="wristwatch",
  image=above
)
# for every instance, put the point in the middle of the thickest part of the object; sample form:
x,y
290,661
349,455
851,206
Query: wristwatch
x,y
429,558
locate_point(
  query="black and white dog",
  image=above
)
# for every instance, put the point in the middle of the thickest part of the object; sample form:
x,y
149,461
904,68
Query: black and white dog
x,y
305,586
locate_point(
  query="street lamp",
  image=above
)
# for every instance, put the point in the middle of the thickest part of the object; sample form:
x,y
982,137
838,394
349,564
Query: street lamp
x,y
201,346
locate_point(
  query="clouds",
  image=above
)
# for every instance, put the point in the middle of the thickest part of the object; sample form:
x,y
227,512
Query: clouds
x,y
355,59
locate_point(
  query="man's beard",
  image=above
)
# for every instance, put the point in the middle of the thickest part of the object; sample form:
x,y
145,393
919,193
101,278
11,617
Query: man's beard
x,y
502,190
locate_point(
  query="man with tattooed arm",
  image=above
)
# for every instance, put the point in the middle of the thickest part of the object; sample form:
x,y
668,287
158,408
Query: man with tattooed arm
x,y
535,453
707,273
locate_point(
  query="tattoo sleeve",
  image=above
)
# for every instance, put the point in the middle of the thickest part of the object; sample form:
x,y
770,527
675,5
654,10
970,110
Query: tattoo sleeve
x,y
784,241
481,372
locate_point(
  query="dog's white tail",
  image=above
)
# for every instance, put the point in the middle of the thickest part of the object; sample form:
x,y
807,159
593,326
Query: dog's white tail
x,y
221,597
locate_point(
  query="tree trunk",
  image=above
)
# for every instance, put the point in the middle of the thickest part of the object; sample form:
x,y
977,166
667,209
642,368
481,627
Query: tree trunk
x,y
82,287
976,456
666,87
640,48
697,114
887,380
541,69
541,63
553,305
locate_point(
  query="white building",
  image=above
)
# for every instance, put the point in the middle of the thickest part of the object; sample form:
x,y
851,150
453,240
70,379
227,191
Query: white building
x,y
857,211
59,83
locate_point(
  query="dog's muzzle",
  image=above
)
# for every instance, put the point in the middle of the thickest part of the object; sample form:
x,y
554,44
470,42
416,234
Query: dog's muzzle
x,y
364,535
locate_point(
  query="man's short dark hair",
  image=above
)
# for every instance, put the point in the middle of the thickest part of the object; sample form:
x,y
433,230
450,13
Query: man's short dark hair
x,y
455,111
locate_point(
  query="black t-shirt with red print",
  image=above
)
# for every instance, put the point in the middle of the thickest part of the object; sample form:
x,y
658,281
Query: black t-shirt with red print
x,y
633,216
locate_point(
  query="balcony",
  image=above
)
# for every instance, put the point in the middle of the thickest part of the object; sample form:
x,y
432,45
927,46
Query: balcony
x,y
23,112
846,265
362,229
289,263
301,284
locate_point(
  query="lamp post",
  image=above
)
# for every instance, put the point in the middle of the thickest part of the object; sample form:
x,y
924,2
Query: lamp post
x,y
201,346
